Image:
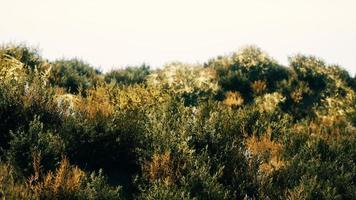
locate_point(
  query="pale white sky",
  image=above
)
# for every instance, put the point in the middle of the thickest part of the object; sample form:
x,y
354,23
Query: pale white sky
x,y
113,33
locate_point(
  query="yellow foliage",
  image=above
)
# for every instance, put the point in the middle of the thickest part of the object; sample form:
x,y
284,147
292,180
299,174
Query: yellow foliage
x,y
136,96
233,99
11,70
297,94
96,103
252,56
66,103
265,146
296,193
10,188
66,179
160,168
332,119
258,86
181,78
269,102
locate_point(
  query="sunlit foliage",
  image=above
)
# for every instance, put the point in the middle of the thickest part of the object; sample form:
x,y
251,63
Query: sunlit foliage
x,y
240,126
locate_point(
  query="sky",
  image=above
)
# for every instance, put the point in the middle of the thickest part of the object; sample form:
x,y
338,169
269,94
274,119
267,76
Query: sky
x,y
115,33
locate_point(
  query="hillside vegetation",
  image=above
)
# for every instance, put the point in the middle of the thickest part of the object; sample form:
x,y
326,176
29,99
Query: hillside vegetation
x,y
239,126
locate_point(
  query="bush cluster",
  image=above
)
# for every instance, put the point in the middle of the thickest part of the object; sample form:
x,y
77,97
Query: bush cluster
x,y
240,126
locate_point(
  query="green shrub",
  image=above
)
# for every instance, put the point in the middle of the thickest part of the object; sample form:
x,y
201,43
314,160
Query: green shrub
x,y
35,140
239,71
317,168
128,75
74,75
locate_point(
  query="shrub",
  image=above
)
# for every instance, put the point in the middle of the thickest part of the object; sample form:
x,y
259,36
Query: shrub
x,y
13,187
74,75
240,127
70,182
317,167
129,75
35,140
27,55
247,71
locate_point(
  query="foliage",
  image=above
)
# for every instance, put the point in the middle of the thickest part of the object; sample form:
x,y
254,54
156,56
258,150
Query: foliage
x,y
70,182
241,126
74,75
11,186
129,75
35,141
188,82
28,56
244,70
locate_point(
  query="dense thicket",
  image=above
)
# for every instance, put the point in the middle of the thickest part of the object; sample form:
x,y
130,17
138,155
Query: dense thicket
x,y
240,126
